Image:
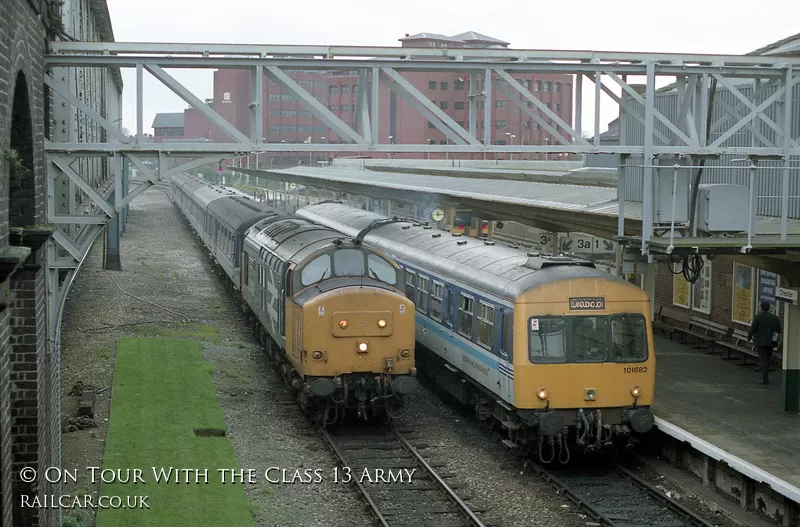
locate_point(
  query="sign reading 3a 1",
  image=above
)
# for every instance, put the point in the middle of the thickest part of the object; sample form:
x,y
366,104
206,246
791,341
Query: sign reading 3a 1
x,y
584,244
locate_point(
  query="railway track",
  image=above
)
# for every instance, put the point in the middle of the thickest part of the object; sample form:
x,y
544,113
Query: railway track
x,y
614,496
425,499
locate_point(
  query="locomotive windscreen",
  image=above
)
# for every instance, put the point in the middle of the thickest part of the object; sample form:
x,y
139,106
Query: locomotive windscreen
x,y
616,338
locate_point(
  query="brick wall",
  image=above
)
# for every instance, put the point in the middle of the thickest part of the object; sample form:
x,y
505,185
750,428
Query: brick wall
x,y
28,409
721,291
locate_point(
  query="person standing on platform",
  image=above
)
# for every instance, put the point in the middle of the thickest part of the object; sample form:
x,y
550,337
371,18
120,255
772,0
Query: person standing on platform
x,y
766,329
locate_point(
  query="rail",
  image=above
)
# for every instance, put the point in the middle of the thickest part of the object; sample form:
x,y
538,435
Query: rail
x,y
588,490
382,510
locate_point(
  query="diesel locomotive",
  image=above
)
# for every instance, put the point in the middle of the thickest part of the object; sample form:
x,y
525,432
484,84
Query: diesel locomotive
x,y
329,311
552,352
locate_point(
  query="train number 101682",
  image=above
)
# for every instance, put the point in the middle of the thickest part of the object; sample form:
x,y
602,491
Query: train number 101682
x,y
635,369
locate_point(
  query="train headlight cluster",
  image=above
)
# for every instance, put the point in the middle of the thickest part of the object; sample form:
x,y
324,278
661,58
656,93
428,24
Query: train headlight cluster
x,y
636,391
381,323
362,347
343,324
542,393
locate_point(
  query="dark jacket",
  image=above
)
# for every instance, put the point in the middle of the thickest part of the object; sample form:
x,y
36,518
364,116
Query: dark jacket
x,y
764,325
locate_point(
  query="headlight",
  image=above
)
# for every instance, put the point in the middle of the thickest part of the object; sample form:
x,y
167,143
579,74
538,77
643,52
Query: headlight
x,y
362,347
343,324
542,393
381,323
636,391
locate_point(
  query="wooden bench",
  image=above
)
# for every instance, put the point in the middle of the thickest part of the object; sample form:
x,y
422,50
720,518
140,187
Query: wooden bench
x,y
738,341
706,331
671,320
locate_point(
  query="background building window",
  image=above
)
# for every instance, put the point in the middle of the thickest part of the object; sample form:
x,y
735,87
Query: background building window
x,y
500,124
431,85
501,104
444,105
345,88
458,85
431,125
333,88
442,85
458,105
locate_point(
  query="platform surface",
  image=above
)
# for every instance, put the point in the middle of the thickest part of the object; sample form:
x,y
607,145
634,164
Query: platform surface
x,y
723,403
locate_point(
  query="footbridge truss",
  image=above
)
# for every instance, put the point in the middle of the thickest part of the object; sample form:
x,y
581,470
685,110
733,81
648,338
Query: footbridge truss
x,y
692,130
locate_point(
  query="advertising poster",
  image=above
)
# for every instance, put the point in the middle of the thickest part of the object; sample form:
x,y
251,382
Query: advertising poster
x,y
742,310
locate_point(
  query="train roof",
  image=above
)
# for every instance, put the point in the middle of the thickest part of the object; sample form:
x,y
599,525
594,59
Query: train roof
x,y
291,238
504,271
238,212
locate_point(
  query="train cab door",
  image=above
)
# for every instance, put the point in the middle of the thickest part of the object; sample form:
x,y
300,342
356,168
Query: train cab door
x,y
505,363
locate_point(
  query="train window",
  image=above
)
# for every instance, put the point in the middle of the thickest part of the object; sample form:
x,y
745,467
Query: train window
x,y
589,339
318,269
437,294
245,267
485,324
422,294
380,269
628,338
465,314
410,277
548,340
348,262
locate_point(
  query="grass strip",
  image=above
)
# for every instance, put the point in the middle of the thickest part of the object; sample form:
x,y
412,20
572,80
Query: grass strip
x,y
163,393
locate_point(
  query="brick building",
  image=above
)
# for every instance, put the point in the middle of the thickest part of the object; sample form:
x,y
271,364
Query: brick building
x,y
29,391
286,120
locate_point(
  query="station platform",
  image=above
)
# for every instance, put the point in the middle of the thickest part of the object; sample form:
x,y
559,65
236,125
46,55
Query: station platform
x,y
722,403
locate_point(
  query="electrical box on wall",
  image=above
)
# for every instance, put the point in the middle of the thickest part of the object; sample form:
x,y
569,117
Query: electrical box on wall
x,y
722,208
663,186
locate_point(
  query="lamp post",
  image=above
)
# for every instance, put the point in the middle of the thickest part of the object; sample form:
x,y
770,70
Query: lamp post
x,y
322,140
546,143
511,142
391,142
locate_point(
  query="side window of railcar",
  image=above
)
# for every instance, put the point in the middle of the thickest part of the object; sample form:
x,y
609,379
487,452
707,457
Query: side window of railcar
x,y
245,267
628,338
485,324
422,294
437,294
465,313
380,269
348,262
410,277
589,339
318,269
547,340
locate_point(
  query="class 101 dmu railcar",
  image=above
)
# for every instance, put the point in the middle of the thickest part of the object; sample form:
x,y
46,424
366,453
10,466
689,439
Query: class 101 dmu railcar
x,y
551,352
329,311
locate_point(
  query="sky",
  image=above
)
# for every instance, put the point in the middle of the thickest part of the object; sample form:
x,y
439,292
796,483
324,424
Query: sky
x,y
677,26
